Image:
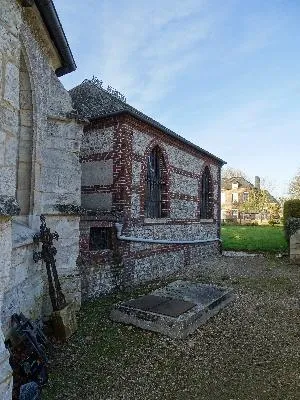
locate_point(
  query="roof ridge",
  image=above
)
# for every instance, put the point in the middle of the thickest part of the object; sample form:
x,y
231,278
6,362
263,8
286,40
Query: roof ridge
x,y
95,109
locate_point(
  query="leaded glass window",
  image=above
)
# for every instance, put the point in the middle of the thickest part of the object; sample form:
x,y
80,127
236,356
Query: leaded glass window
x,y
206,205
156,188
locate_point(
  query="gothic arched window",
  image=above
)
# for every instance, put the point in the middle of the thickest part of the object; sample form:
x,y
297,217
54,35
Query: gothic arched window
x,y
156,187
206,204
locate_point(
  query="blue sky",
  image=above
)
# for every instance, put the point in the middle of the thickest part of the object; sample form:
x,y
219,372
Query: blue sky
x,y
224,74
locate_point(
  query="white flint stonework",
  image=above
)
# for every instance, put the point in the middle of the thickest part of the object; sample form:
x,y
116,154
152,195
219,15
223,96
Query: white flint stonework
x,y
136,172
183,209
183,160
97,143
140,142
184,184
158,266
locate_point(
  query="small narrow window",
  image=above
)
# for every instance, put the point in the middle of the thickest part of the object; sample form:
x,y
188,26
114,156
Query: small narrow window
x,y
223,198
100,238
156,192
245,196
235,213
206,207
235,197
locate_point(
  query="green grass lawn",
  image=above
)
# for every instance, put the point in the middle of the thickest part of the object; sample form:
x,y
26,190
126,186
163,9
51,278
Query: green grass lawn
x,y
254,238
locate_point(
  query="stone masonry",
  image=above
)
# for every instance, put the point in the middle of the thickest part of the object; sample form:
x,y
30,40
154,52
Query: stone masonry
x,y
295,247
39,167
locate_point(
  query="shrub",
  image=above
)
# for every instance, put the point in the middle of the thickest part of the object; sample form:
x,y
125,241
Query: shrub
x,y
230,221
273,222
291,216
291,209
291,226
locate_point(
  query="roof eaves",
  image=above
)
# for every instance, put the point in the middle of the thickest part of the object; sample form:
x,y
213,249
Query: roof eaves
x,y
162,128
57,35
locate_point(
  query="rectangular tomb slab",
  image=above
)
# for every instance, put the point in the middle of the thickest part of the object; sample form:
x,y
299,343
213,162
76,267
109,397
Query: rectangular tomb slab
x,y
175,310
160,305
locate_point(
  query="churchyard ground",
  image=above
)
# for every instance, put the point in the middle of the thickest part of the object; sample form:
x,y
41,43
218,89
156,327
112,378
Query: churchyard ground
x,y
249,351
263,238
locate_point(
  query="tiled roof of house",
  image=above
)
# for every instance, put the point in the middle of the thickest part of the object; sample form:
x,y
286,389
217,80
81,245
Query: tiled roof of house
x,y
92,101
243,183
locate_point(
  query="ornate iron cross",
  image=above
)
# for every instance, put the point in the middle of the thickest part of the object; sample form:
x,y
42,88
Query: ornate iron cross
x,y
47,254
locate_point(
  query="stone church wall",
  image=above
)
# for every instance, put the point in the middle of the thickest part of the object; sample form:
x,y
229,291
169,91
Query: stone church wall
x,y
39,166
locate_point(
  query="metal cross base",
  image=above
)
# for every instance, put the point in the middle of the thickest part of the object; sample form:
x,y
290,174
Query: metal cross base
x,y
47,254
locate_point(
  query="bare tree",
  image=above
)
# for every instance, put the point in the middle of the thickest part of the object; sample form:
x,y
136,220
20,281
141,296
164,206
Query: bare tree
x,y
229,172
294,187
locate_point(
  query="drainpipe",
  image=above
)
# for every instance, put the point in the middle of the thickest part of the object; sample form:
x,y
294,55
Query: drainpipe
x,y
159,241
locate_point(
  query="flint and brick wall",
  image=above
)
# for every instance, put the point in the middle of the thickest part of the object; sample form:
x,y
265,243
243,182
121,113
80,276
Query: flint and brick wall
x,y
132,142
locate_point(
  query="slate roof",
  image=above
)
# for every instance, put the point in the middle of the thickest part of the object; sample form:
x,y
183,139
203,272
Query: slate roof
x,y
92,101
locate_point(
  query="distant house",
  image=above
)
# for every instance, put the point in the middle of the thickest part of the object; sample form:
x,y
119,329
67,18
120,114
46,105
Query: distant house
x,y
236,203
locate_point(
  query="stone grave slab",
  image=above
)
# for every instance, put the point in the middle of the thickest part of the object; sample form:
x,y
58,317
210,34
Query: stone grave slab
x,y
175,310
160,305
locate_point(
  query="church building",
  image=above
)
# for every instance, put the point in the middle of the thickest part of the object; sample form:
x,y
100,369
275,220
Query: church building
x,y
152,197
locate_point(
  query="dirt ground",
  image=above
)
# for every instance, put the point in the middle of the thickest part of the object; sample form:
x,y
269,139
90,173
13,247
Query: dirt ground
x,y
250,350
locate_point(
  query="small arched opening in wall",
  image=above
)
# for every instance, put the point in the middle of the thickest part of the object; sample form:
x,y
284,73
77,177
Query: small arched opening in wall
x,y
156,204
206,195
25,145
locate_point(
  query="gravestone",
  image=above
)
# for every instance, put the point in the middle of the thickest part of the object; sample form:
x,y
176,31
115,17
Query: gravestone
x,y
175,310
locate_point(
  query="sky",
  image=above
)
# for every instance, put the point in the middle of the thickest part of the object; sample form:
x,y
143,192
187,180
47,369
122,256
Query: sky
x,y
224,74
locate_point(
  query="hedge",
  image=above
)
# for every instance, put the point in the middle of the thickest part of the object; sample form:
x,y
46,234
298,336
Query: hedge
x,y
291,217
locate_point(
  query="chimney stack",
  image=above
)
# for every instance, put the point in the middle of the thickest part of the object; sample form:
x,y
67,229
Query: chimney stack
x,y
257,183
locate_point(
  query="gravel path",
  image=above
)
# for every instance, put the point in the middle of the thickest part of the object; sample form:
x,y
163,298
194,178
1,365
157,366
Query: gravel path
x,y
250,350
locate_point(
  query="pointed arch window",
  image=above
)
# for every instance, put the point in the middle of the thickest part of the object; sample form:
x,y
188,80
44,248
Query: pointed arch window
x,y
156,185
206,204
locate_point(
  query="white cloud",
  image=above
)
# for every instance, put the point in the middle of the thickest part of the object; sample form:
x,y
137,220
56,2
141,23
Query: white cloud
x,y
142,50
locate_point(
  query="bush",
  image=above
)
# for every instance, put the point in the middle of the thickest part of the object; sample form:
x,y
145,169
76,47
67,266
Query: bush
x,y
273,222
291,213
291,209
230,221
253,223
292,226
